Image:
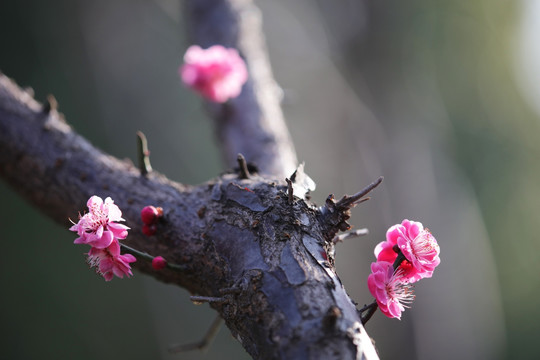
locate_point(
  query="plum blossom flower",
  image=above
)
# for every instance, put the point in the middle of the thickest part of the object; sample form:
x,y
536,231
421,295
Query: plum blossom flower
x,y
109,261
99,227
217,73
417,245
391,292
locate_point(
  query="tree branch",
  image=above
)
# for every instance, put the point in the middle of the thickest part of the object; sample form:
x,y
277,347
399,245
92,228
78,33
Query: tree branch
x,y
243,238
229,233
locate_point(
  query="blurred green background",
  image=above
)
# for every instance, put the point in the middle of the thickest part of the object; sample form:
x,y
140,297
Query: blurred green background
x,y
440,97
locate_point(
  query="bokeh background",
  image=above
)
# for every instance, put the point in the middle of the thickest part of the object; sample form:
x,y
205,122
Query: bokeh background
x,y
440,97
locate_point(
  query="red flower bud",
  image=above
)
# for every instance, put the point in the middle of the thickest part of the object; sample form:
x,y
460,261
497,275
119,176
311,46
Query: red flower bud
x,y
149,230
150,214
159,263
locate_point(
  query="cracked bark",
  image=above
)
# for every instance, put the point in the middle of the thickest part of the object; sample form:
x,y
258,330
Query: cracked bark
x,y
241,239
243,234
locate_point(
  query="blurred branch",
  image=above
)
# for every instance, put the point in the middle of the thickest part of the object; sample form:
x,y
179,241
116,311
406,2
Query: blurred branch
x,y
251,124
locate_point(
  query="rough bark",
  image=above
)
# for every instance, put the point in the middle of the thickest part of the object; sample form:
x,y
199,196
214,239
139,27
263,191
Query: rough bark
x,y
239,239
266,254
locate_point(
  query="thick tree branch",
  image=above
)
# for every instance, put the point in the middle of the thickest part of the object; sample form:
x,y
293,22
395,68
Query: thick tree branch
x,y
240,239
251,124
245,239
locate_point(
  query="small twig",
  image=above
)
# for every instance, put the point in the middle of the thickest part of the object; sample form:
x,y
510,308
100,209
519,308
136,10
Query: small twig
x,y
50,104
136,252
369,310
290,191
204,343
242,164
353,200
362,200
143,154
210,299
350,235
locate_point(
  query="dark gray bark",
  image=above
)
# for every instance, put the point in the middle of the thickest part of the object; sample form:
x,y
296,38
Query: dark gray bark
x,y
240,239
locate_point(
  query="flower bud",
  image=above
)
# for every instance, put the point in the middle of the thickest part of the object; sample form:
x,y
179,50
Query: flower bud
x,y
150,214
159,263
149,230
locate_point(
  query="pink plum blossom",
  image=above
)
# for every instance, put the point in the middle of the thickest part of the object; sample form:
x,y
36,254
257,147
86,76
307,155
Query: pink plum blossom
x,y
109,262
99,227
217,73
392,293
417,245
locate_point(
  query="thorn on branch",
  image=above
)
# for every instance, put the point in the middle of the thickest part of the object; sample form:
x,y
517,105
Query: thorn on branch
x,y
350,235
290,191
143,154
204,343
242,165
210,299
334,215
369,310
353,200
362,200
50,105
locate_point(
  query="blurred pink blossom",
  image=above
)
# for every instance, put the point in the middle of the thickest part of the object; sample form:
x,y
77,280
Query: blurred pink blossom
x,y
392,293
109,262
99,226
417,245
217,73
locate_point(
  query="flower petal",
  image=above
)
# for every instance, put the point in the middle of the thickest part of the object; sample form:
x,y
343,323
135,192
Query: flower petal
x,y
103,242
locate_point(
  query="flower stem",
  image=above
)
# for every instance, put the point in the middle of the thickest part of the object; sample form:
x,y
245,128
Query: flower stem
x,y
400,258
149,257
